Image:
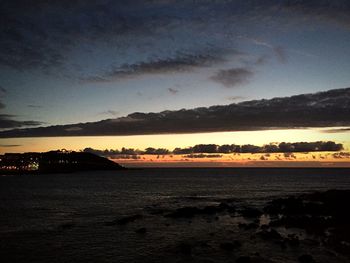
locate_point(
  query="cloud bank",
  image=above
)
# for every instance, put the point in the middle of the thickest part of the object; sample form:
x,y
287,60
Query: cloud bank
x,y
322,109
216,151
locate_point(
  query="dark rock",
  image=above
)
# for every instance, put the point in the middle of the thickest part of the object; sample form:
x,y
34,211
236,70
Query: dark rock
x,y
188,212
227,207
185,212
141,230
289,205
243,259
203,244
185,248
293,240
283,244
248,226
270,234
264,227
210,210
242,225
306,259
312,224
67,226
128,219
259,259
322,214
250,212
229,246
339,239
156,211
124,220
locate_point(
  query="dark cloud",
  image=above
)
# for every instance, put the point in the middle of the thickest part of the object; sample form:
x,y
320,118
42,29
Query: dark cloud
x,y
9,145
39,34
34,106
310,146
261,60
203,156
281,54
113,153
216,151
2,94
235,98
43,34
127,152
173,91
337,130
341,155
289,155
2,91
322,109
126,157
110,112
7,122
337,11
154,151
178,63
233,77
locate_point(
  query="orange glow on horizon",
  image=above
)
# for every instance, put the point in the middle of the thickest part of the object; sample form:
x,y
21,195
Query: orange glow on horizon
x,y
171,141
313,159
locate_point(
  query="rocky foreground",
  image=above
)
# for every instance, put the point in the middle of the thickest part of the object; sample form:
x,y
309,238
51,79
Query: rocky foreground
x,y
307,228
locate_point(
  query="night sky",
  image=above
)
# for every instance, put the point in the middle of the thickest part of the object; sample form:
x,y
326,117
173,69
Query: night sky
x,y
71,62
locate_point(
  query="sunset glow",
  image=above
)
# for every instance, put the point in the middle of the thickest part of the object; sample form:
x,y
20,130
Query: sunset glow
x,y
174,131
172,141
156,74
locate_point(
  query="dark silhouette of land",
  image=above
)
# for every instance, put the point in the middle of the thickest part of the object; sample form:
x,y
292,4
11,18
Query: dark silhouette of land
x,y
54,162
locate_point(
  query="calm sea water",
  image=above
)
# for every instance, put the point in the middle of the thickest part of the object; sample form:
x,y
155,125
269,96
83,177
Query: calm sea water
x,y
64,217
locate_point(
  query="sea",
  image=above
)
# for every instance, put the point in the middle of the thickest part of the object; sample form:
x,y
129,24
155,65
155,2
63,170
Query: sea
x,y
75,217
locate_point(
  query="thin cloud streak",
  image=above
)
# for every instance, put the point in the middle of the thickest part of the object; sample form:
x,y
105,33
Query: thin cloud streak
x,y
9,145
279,51
337,130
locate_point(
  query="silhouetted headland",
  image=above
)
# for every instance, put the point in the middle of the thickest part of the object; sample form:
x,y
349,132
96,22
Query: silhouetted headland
x,y
54,162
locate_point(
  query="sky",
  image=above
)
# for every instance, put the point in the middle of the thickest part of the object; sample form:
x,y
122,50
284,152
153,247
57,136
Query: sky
x,y
110,63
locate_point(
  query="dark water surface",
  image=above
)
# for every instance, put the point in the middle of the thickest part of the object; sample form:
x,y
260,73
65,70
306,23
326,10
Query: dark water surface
x,y
69,217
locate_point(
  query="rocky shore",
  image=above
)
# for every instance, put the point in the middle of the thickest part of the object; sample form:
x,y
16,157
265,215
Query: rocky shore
x,y
306,228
